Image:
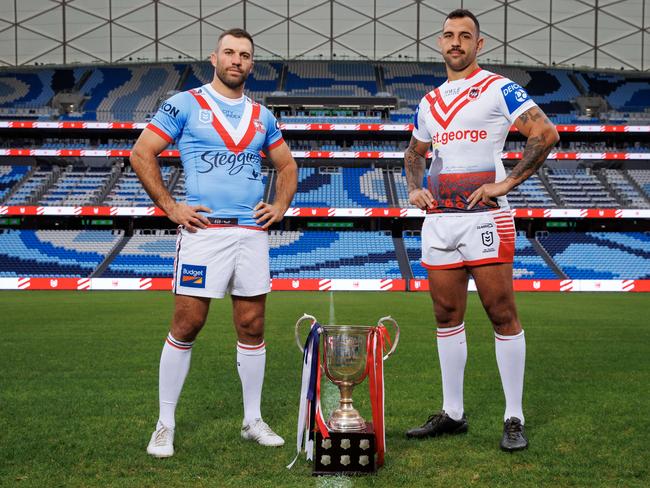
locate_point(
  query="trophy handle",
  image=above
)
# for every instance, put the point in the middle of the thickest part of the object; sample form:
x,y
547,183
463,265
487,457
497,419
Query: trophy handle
x,y
300,321
390,320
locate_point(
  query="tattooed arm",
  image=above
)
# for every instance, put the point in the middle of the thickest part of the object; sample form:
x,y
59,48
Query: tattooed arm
x,y
542,136
415,166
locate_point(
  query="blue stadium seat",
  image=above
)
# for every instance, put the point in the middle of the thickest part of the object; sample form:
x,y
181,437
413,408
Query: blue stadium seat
x,y
329,254
600,255
46,253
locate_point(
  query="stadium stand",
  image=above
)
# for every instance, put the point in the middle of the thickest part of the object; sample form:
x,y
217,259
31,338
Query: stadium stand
x,y
77,187
340,187
329,254
552,90
29,191
531,194
330,79
411,81
627,193
28,93
622,93
10,176
146,254
54,253
578,188
600,255
128,191
137,97
642,178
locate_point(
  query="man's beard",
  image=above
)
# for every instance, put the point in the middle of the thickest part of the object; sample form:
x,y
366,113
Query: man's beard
x,y
458,64
230,83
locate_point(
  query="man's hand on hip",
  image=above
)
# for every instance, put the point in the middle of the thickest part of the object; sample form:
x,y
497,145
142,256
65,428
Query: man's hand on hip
x,y
487,192
189,216
267,213
421,198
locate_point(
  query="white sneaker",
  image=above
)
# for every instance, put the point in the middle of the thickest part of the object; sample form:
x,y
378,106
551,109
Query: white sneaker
x,y
259,431
161,444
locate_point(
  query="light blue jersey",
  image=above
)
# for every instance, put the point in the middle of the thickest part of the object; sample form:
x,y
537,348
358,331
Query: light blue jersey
x,y
220,140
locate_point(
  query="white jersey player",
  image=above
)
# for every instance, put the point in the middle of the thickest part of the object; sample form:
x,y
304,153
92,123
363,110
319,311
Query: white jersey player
x,y
469,229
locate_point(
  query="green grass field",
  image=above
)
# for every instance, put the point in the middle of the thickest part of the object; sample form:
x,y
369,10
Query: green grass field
x,y
78,393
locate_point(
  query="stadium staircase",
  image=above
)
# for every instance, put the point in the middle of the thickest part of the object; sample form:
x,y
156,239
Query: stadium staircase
x,y
549,186
109,257
402,258
18,184
183,78
391,189
115,175
545,255
47,185
610,189
637,186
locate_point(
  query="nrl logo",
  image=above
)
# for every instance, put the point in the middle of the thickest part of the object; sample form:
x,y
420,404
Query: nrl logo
x,y
205,116
474,93
487,238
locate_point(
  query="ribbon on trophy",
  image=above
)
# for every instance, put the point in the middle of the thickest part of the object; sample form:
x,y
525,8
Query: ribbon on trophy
x,y
310,416
377,343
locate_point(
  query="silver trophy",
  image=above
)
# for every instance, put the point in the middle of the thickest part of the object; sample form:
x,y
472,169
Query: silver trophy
x,y
345,361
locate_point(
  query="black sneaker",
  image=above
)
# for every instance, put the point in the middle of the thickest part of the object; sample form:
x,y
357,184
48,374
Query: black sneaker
x,y
439,424
514,437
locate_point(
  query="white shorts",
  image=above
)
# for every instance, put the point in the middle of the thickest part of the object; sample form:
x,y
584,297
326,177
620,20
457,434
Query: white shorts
x,y
455,240
214,261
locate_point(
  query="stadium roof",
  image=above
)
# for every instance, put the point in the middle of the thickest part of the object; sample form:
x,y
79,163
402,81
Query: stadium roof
x,y
581,33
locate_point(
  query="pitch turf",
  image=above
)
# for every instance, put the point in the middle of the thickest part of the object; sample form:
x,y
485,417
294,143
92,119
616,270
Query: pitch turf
x,y
78,393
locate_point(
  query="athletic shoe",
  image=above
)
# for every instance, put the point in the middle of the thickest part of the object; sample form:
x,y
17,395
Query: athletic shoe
x,y
514,437
439,424
161,444
259,431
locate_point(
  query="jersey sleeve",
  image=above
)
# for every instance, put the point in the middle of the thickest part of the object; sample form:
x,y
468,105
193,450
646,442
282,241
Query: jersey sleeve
x,y
514,100
170,119
273,133
420,131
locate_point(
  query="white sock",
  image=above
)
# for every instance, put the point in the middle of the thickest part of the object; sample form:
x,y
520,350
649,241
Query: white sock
x,y
174,365
452,352
251,361
511,358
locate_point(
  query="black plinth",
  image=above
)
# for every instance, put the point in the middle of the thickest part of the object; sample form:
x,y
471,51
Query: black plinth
x,y
345,452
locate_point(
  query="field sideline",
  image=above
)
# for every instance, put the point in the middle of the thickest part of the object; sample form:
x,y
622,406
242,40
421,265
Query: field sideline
x,y
78,393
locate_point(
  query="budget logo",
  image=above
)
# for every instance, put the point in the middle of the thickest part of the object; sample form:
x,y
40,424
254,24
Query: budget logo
x,y
193,276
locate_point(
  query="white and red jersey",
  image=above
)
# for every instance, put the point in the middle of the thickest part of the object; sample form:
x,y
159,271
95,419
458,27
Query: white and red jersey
x,y
467,122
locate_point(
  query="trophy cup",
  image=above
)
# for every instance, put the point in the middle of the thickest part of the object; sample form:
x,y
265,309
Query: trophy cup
x,y
350,353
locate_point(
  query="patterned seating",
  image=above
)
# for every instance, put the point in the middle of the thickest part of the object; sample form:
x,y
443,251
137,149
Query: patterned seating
x,y
330,79
9,176
600,255
46,253
328,254
340,187
145,255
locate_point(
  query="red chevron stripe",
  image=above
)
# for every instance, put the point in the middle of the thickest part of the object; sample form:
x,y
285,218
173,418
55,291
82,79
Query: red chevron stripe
x,y
223,133
450,118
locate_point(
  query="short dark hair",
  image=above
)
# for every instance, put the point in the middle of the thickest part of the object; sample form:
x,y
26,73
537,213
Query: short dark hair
x,y
460,13
236,32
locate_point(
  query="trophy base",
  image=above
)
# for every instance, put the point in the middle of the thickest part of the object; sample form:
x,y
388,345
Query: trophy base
x,y
346,453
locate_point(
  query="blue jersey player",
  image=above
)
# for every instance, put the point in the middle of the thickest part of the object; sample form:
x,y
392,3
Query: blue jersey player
x,y
222,243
